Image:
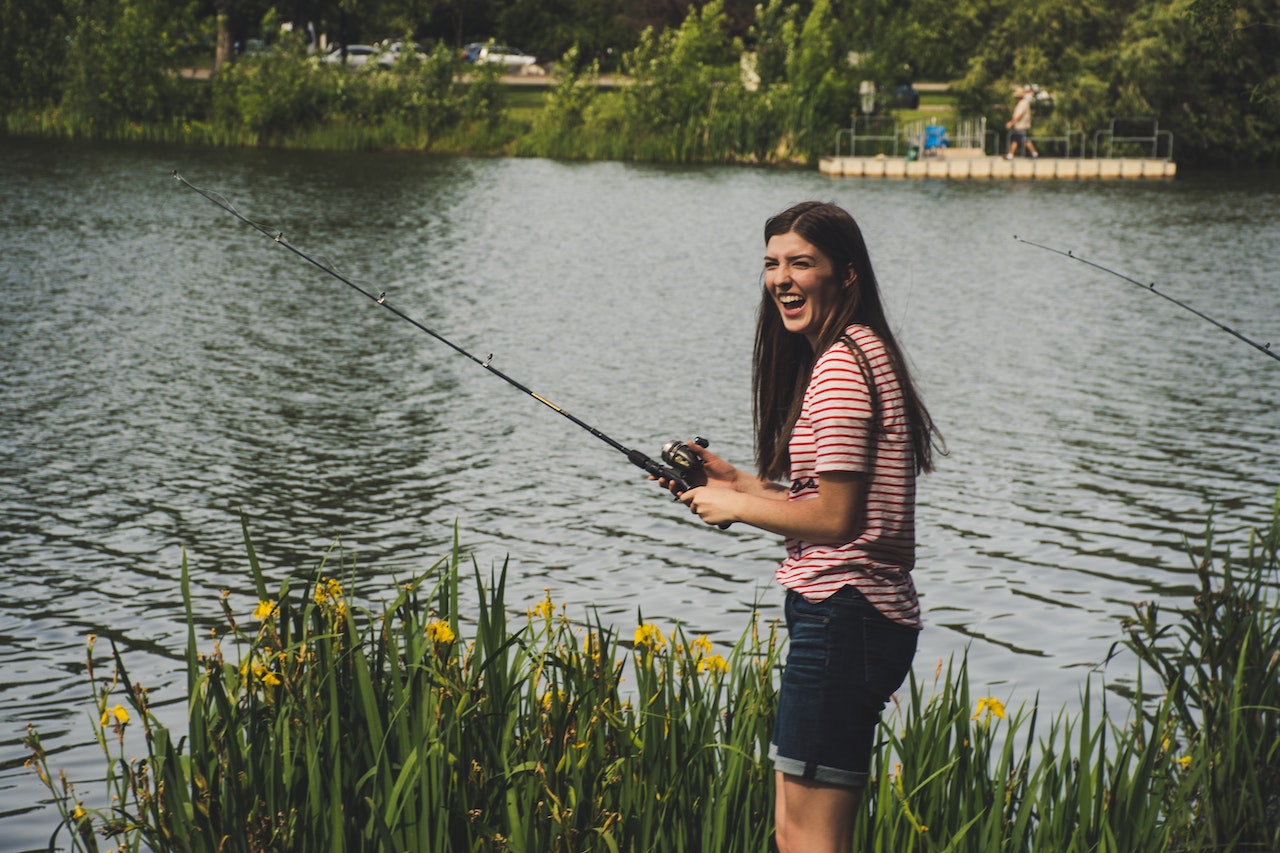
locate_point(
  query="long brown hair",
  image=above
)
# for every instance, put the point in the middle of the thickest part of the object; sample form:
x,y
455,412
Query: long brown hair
x,y
784,360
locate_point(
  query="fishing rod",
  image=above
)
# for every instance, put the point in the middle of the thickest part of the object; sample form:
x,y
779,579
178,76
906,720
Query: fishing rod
x,y
1264,348
685,465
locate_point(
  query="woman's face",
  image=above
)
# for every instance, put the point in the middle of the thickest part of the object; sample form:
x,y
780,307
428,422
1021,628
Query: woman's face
x,y
804,285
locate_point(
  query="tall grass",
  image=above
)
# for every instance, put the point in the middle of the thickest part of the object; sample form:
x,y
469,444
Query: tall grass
x,y
319,724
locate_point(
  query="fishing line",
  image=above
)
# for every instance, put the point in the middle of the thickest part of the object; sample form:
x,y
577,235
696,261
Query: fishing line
x,y
1264,348
676,453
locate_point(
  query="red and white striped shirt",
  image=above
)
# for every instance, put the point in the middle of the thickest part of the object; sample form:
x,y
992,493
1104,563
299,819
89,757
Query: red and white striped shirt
x,y
834,433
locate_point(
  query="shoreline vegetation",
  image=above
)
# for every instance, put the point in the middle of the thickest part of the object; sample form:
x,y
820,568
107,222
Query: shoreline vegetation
x,y
316,722
739,83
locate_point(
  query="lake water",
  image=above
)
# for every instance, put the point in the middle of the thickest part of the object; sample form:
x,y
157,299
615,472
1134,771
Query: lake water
x,y
166,368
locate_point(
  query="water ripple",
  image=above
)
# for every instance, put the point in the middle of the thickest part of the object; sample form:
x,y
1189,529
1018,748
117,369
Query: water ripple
x,y
167,370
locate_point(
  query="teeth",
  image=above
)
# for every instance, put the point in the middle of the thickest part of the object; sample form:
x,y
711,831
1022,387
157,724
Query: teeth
x,y
790,298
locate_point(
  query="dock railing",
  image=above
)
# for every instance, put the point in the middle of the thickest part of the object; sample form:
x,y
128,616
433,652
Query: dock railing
x,y
1129,133
878,131
969,133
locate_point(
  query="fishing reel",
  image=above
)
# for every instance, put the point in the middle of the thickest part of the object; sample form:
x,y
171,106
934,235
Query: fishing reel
x,y
684,461
686,466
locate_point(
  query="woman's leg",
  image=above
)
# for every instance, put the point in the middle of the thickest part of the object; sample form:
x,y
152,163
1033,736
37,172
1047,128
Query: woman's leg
x,y
814,817
844,660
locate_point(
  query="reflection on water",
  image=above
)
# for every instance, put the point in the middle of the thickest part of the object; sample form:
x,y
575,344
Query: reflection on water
x,y
166,369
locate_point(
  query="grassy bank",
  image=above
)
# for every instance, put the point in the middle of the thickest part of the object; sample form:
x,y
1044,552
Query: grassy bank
x,y
316,723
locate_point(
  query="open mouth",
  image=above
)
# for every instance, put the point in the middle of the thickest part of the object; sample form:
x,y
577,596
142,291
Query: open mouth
x,y
790,301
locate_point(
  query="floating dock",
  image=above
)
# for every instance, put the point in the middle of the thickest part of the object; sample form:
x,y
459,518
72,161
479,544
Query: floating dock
x,y
982,168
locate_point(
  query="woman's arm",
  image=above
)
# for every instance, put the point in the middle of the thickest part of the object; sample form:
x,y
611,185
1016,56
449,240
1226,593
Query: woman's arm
x,y
833,517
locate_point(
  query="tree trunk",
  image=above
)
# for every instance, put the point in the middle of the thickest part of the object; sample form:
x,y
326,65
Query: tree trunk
x,y
225,52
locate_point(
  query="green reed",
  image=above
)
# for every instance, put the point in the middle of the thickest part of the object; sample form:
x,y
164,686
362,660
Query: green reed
x,y
320,725
1219,667
316,723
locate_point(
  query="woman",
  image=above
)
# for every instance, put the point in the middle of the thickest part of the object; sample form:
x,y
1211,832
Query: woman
x,y
838,420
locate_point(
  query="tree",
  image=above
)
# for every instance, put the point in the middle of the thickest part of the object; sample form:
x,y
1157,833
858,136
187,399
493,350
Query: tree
x,y
234,21
123,59
1206,70
1210,70
33,51
550,28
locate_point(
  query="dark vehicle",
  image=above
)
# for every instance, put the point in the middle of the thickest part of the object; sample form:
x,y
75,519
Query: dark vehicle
x,y
904,97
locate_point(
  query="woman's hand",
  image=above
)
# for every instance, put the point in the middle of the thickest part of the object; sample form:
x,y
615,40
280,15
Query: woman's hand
x,y
713,504
715,472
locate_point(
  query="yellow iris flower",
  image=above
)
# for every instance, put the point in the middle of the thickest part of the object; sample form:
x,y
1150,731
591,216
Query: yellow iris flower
x,y
440,632
715,663
649,636
118,713
990,704
543,608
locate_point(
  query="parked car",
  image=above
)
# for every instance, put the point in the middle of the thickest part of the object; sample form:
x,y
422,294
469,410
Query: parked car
x,y
397,50
252,47
507,57
494,54
357,54
904,97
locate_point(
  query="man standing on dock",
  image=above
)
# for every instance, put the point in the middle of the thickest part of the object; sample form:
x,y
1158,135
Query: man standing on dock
x,y
1021,124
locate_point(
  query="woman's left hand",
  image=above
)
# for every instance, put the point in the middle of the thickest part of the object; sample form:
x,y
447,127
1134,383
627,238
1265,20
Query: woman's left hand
x,y
718,506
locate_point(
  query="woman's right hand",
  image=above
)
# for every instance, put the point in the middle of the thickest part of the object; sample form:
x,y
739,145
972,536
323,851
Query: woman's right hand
x,y
714,472
717,472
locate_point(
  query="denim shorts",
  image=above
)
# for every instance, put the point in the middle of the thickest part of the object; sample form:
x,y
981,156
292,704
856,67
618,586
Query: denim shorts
x,y
845,659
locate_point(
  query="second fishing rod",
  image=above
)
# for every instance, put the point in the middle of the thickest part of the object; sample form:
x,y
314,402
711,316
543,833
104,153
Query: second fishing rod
x,y
683,466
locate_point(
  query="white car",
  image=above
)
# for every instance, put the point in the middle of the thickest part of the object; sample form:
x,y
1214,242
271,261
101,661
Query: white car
x,y
357,54
397,50
509,58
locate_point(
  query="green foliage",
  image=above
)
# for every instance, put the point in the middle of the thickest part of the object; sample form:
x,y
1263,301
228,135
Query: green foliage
x,y
557,130
774,35
319,724
274,93
1219,664
959,774
122,60
1206,70
283,96
692,96
330,726
33,49
923,40
821,87
681,79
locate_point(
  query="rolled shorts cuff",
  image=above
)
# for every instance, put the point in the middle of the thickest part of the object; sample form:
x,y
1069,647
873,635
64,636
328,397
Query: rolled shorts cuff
x,y
817,772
